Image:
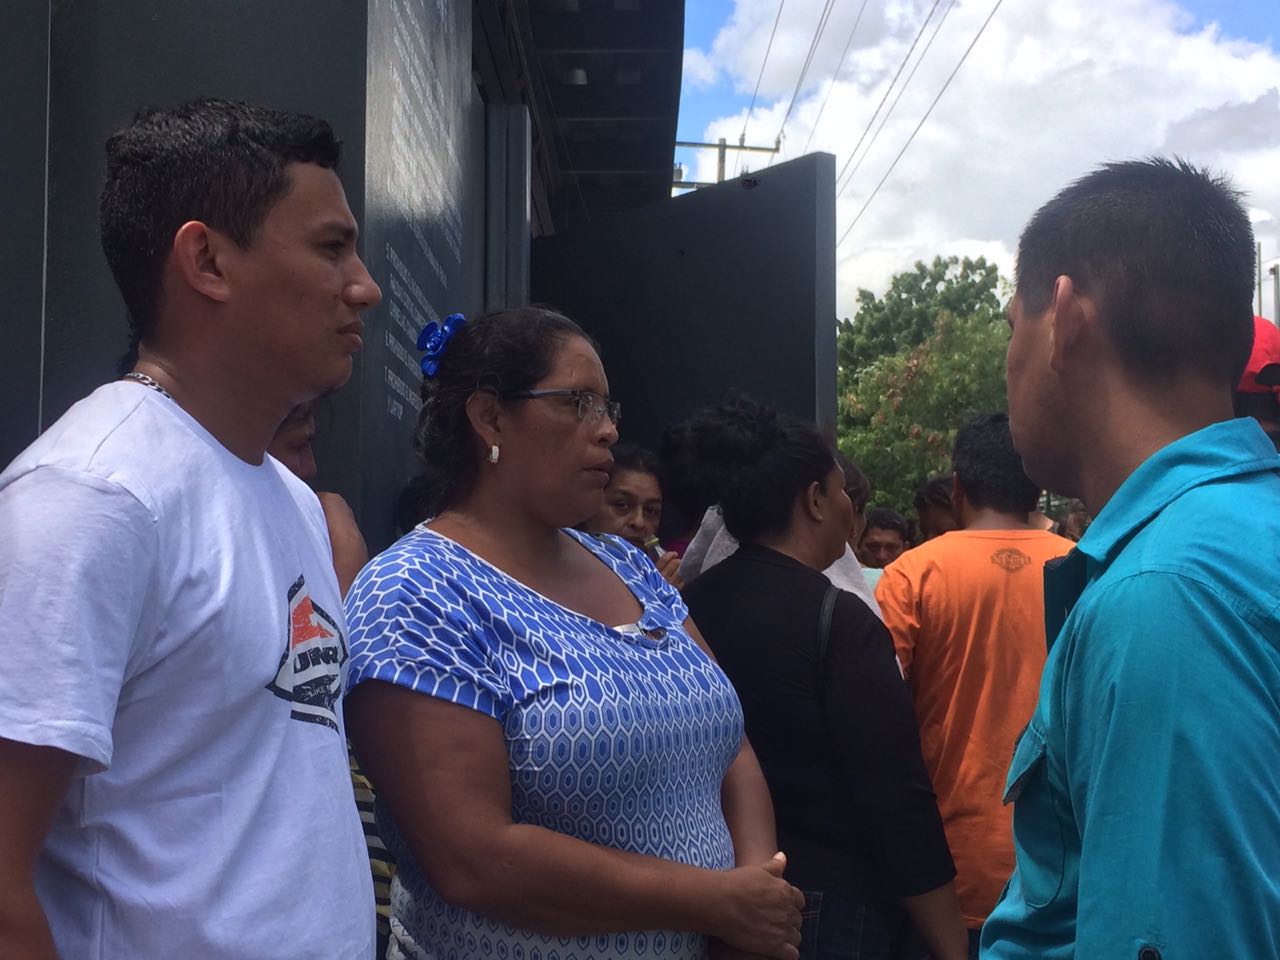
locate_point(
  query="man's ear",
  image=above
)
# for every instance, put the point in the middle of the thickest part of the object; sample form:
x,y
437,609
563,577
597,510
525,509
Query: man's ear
x,y
483,411
197,256
1072,315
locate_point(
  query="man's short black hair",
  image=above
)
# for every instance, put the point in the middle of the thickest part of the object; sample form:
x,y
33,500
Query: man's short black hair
x,y
221,162
1166,252
883,518
989,470
934,492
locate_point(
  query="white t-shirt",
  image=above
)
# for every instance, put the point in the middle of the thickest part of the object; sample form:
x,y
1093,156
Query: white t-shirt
x,y
170,614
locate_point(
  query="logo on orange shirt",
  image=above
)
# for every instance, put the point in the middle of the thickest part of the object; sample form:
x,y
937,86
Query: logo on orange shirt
x,y
1010,559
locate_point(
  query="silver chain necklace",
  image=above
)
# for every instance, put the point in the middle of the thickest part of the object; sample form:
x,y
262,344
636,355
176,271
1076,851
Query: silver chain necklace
x,y
146,381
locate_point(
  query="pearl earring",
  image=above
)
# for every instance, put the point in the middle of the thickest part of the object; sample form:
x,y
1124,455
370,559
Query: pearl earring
x,y
494,453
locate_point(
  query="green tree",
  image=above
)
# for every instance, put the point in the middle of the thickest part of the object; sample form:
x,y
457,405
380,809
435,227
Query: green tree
x,y
897,419
907,313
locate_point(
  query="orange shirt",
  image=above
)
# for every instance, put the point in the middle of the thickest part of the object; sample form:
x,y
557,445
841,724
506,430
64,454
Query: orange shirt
x,y
966,611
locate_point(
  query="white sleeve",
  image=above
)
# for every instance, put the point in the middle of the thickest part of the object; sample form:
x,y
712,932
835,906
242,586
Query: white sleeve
x,y
691,562
77,557
846,573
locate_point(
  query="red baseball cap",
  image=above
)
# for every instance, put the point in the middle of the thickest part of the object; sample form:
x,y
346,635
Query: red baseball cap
x,y
1262,373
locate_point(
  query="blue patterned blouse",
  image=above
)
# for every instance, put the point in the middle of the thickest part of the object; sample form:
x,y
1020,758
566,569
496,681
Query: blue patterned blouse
x,y
617,736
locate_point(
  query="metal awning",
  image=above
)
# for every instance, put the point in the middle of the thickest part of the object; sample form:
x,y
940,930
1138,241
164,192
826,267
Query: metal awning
x,y
611,70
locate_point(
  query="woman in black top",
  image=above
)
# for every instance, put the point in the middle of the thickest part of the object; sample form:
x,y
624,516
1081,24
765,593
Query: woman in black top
x,y
837,738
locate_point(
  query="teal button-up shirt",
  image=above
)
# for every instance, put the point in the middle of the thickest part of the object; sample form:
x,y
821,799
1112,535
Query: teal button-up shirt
x,y
1146,788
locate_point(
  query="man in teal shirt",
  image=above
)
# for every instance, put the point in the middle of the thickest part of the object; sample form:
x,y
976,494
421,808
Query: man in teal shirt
x,y
1146,788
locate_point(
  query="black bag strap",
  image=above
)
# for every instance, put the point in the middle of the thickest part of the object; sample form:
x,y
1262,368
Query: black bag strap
x,y
824,627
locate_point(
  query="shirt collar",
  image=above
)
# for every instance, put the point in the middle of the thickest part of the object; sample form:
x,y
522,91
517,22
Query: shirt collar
x,y
756,551
1227,449
1064,580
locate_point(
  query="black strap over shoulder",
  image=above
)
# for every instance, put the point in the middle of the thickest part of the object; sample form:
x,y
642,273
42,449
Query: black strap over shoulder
x,y
824,627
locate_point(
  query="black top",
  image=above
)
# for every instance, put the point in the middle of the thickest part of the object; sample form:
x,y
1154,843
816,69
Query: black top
x,y
841,752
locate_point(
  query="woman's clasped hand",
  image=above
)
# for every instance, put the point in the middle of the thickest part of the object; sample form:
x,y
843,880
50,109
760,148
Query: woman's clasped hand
x,y
762,912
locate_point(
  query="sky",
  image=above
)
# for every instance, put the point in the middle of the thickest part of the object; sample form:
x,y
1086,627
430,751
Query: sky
x,y
1049,91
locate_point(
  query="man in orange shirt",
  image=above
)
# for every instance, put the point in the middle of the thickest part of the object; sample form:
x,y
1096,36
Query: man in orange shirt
x,y
966,611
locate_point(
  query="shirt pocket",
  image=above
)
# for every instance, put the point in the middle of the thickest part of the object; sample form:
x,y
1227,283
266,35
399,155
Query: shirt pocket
x,y
1036,824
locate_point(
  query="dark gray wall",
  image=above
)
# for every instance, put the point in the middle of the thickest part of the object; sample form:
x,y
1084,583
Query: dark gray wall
x,y
107,60
424,233
731,286
508,187
394,79
24,73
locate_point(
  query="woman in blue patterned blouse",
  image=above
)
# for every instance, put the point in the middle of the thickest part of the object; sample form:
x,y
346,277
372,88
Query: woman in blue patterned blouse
x,y
560,764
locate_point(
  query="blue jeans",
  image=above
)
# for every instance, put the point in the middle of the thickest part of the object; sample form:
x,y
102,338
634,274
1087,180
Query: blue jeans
x,y
840,927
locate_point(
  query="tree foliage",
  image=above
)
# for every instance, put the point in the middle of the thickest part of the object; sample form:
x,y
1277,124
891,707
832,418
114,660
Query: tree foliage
x,y
932,358
905,316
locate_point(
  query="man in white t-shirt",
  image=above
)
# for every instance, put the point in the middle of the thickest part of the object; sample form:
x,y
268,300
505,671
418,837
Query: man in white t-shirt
x,y
173,763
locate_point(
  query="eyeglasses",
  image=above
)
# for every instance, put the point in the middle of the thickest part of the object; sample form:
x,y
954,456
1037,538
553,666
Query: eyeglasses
x,y
591,406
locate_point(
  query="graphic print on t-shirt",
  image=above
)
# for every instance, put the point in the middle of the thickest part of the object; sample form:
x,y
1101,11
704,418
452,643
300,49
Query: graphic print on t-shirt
x,y
310,672
1011,559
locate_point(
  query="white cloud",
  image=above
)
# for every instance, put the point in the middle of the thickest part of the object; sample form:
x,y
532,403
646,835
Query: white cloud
x,y
700,71
1050,91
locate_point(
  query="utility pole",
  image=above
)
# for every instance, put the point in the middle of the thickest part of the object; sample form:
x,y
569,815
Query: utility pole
x,y
722,148
1275,291
1259,310
1273,268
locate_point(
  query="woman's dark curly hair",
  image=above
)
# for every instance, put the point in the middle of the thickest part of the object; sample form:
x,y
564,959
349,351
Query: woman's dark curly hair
x,y
504,352
762,460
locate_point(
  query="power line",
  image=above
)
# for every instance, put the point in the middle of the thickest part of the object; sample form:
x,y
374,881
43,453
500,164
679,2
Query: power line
x,y
901,90
808,61
763,64
946,84
835,76
888,90
823,17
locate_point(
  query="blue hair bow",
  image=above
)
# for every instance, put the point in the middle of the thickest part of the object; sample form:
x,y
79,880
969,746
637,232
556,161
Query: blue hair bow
x,y
434,338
